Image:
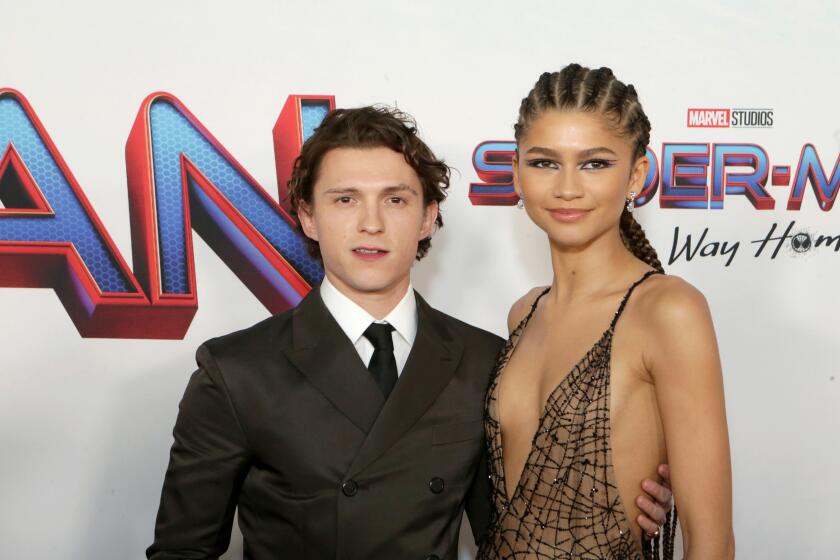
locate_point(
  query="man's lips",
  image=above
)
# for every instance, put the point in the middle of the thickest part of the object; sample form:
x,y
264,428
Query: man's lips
x,y
369,253
568,215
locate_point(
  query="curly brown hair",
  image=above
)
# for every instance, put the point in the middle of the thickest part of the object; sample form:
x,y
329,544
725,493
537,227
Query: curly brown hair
x,y
584,89
368,127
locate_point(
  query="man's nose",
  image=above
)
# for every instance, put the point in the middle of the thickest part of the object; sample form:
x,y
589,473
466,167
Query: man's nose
x,y
370,220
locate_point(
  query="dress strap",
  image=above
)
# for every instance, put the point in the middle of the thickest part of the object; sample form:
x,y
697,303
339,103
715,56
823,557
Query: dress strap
x,y
527,318
646,275
537,300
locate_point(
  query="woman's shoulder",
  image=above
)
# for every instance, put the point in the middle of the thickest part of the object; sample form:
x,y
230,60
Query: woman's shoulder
x,y
522,306
669,302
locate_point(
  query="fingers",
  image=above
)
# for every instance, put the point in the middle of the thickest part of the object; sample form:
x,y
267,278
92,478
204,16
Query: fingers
x,y
662,494
665,472
648,526
655,509
654,512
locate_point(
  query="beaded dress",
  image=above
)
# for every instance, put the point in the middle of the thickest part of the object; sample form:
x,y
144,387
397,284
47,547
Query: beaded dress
x,y
566,504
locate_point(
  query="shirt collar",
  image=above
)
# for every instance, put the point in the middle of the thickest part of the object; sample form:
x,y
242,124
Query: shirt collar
x,y
354,320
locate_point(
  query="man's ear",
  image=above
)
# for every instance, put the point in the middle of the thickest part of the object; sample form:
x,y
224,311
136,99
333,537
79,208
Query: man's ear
x,y
307,221
429,217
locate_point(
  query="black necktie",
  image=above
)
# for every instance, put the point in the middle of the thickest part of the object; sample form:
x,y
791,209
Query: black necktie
x,y
383,365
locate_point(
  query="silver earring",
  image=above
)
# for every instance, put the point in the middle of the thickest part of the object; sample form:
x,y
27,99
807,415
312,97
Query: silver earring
x,y
520,203
631,202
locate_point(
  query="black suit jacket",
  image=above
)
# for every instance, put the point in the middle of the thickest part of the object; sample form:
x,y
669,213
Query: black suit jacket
x,y
283,421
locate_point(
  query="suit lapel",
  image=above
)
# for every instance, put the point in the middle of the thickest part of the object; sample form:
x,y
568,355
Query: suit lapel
x,y
430,366
328,359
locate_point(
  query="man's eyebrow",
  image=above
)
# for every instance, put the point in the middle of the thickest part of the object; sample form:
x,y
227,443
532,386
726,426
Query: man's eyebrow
x,y
341,190
401,187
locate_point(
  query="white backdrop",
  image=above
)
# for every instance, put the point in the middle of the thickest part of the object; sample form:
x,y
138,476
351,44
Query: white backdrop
x,y
85,424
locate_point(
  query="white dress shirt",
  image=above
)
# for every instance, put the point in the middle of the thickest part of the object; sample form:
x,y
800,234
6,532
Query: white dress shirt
x,y
354,320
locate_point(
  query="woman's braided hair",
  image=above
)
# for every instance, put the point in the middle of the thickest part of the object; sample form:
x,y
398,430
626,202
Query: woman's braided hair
x,y
584,89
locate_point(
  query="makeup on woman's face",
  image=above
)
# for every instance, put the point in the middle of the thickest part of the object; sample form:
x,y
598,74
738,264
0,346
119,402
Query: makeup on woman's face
x,y
574,173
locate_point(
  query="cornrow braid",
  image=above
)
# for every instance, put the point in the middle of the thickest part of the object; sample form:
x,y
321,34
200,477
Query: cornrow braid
x,y
597,80
651,547
635,240
580,88
567,94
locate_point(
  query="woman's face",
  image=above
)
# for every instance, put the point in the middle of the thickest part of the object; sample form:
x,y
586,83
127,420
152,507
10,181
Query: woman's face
x,y
575,175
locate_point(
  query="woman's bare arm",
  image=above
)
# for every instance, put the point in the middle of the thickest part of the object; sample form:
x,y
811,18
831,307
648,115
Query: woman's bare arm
x,y
682,356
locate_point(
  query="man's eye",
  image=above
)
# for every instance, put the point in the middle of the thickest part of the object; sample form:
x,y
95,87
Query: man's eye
x,y
396,200
343,199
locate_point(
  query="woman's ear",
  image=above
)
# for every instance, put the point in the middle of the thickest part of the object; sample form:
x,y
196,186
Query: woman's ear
x,y
514,166
638,175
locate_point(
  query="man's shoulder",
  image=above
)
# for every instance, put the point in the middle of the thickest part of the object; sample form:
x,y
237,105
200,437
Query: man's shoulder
x,y
258,338
468,334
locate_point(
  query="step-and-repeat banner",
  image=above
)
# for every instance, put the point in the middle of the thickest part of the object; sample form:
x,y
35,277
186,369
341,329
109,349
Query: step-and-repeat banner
x,y
144,151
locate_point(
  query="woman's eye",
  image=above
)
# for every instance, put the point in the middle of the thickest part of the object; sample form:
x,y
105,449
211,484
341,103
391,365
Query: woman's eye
x,y
596,164
542,163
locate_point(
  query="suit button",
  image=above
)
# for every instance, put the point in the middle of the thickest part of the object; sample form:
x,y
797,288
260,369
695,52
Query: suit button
x,y
350,488
436,485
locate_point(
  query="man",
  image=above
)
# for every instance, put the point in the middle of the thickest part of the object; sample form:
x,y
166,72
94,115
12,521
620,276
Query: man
x,y
351,426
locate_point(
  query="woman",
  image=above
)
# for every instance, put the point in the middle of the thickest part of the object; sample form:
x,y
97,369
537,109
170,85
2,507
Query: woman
x,y
571,425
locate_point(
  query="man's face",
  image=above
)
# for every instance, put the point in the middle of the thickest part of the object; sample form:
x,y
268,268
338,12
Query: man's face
x,y
368,215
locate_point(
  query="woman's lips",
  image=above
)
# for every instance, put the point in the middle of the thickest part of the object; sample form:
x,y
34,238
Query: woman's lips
x,y
568,215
